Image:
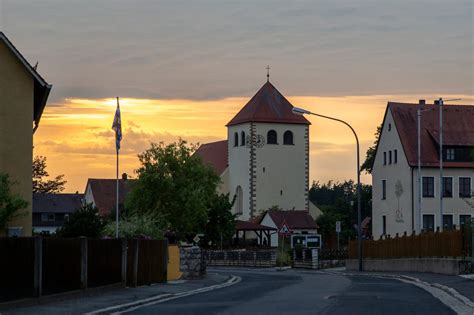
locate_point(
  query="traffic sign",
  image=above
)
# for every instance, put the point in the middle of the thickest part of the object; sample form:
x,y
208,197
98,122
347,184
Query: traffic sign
x,y
196,239
284,229
338,226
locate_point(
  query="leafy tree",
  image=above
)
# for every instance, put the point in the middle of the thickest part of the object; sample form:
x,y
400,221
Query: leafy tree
x,y
10,204
175,184
40,183
84,222
221,222
370,154
137,225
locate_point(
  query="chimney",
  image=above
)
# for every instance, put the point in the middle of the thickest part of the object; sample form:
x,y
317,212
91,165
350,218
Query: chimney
x,y
422,102
124,176
436,102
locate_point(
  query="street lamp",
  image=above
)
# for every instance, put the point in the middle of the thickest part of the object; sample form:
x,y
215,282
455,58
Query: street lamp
x,y
301,111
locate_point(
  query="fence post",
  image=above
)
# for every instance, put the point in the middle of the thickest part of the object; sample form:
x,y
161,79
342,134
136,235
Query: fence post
x,y
124,261
166,257
135,262
38,266
83,262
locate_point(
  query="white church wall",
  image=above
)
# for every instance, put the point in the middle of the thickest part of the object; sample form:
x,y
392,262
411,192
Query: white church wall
x,y
223,187
281,170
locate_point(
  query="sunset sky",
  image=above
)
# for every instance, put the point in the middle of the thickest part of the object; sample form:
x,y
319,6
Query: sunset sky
x,y
184,68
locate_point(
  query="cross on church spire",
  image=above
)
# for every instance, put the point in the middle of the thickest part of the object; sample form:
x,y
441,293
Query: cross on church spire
x,y
268,73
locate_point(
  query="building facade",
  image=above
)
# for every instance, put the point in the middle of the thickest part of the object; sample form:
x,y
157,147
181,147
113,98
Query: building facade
x,y
395,185
23,96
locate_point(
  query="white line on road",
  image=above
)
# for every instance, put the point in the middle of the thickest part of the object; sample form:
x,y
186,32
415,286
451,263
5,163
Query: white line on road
x,y
131,306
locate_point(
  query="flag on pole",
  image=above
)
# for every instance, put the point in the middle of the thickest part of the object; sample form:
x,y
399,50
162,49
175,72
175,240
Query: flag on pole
x,y
117,126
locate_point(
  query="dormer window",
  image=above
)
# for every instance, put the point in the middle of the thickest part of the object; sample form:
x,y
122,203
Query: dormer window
x,y
272,137
450,155
288,137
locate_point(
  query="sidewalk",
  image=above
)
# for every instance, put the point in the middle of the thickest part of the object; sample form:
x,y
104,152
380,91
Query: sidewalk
x,y
81,303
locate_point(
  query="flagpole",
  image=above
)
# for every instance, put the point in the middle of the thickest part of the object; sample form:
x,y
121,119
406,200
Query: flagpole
x,y
117,196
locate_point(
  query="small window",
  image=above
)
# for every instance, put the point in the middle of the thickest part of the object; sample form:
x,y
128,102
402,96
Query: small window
x,y
389,127
281,192
447,187
428,187
428,222
384,189
242,138
66,217
239,201
385,158
288,137
236,139
271,137
264,169
450,154
395,156
464,219
47,217
389,157
447,221
464,187
384,225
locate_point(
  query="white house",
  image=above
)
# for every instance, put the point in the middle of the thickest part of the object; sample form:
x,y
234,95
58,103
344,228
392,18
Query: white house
x,y
265,160
394,174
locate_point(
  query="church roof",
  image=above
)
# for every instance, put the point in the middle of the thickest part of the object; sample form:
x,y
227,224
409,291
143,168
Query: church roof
x,y
458,130
214,154
270,106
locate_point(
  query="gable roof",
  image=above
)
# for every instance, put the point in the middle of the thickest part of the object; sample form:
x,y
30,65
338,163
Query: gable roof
x,y
270,106
296,219
251,226
41,87
56,203
215,154
104,193
458,130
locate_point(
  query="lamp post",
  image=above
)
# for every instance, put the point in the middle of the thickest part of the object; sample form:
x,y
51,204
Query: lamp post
x,y
301,111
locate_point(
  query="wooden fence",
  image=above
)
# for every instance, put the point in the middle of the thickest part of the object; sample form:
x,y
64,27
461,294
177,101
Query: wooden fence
x,y
35,266
452,243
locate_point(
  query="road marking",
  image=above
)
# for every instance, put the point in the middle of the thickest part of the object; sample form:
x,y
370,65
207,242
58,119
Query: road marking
x,y
131,306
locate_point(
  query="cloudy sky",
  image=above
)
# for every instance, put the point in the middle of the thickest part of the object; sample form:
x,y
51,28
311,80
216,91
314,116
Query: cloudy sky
x,y
184,68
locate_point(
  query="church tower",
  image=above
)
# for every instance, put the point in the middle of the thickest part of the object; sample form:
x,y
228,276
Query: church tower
x,y
268,155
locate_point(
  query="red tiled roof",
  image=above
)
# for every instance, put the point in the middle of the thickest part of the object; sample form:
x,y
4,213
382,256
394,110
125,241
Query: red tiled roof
x,y
251,226
458,130
104,193
269,106
296,219
214,154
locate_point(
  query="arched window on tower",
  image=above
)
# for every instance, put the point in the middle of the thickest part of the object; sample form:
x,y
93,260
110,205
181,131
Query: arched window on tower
x,y
272,137
288,137
242,138
239,200
236,139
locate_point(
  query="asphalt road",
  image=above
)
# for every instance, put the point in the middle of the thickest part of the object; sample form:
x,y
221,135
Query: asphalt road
x,y
304,292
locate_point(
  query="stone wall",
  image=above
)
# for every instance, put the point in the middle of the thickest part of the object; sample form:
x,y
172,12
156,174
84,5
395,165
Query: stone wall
x,y
192,263
247,258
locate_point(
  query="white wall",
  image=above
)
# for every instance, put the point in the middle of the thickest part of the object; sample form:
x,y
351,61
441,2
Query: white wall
x,y
267,221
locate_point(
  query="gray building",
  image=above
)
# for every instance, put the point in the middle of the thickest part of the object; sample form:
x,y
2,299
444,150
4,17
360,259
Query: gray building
x,y
50,211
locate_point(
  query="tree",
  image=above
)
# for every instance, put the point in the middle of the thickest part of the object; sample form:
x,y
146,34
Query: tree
x,y
40,183
10,204
370,154
221,222
175,184
83,222
137,225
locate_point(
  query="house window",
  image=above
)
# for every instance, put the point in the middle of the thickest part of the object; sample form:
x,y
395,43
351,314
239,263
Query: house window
x,y
239,200
449,154
47,217
464,187
236,139
447,221
242,138
447,186
389,157
384,189
428,222
271,137
385,158
395,156
288,137
428,187
464,219
384,225
66,217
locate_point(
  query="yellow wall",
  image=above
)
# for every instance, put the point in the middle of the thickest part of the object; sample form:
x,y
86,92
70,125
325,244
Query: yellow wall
x,y
16,129
173,263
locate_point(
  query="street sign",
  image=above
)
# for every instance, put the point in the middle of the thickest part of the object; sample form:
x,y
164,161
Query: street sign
x,y
196,239
338,226
306,240
284,229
